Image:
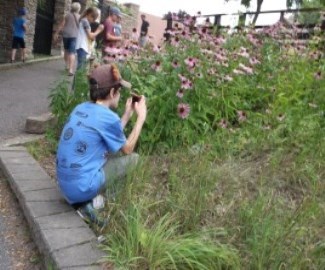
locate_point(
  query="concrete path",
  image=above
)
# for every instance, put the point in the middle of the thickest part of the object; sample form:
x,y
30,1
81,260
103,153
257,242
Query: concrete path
x,y
24,92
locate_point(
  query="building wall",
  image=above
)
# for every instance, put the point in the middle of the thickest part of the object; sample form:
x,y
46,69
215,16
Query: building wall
x,y
156,27
8,10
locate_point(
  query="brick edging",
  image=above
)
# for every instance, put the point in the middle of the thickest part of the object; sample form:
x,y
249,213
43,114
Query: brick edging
x,y
61,235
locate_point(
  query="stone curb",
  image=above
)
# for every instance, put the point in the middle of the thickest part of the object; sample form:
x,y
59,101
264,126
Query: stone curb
x,y
63,238
7,66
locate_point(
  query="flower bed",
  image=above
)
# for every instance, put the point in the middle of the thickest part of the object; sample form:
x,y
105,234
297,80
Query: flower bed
x,y
233,147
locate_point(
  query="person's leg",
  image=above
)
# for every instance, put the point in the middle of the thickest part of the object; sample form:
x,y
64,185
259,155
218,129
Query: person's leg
x,y
13,55
116,169
14,49
23,54
82,58
23,49
66,52
72,55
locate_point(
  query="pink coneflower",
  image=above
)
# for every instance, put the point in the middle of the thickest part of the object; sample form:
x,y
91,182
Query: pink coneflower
x,y
238,72
183,110
254,61
223,123
246,69
266,127
228,78
190,62
180,93
175,64
156,49
156,66
243,52
281,117
242,116
186,84
318,75
175,41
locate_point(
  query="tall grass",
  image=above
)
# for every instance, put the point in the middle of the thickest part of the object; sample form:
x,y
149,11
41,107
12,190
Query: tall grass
x,y
137,245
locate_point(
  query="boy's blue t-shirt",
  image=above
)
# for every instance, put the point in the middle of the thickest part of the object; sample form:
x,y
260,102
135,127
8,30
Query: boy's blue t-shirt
x,y
18,25
90,133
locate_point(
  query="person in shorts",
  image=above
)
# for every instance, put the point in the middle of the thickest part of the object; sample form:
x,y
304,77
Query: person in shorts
x,y
70,28
86,36
144,31
19,30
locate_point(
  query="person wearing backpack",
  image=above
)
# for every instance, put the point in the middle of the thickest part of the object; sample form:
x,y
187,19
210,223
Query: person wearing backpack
x,y
70,28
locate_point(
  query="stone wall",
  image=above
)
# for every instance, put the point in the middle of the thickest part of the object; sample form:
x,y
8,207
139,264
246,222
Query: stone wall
x,y
8,10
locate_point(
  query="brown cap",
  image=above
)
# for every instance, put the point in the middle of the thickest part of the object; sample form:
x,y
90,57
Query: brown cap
x,y
108,76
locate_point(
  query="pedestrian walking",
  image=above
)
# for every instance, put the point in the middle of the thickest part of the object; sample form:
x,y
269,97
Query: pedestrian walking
x,y
19,31
85,36
70,28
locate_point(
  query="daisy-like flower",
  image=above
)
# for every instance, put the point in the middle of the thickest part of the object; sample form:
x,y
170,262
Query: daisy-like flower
x,y
183,110
180,93
318,75
156,49
254,61
156,66
175,41
223,123
186,84
281,117
190,62
243,52
238,72
242,116
228,78
246,69
175,64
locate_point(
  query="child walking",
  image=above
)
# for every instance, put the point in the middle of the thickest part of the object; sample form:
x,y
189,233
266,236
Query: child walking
x,y
85,36
19,30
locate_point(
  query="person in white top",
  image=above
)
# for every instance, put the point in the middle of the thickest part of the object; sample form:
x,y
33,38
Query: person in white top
x,y
85,36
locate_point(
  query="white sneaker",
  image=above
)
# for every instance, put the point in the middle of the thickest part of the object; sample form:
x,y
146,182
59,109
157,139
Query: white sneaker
x,y
98,202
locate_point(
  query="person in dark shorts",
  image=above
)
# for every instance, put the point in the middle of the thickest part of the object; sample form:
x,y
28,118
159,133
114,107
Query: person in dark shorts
x,y
19,30
70,28
144,31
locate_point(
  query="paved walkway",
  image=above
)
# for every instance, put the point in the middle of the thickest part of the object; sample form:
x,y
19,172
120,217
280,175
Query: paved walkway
x,y
24,92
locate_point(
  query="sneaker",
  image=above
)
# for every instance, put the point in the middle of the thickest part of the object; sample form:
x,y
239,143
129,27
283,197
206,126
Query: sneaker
x,y
98,202
88,213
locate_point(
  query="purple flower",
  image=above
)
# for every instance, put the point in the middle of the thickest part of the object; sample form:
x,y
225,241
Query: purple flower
x,y
180,93
183,110
242,116
156,66
318,75
223,123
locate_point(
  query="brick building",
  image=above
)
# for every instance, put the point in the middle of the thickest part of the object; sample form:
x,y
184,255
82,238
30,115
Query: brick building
x,y
43,18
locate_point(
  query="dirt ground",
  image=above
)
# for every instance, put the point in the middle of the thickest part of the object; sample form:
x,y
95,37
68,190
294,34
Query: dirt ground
x,y
19,245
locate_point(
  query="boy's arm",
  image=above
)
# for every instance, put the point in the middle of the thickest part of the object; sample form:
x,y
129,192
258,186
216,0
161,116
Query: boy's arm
x,y
93,35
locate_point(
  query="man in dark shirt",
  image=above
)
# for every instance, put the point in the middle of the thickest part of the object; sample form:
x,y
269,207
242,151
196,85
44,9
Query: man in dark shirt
x,y
144,31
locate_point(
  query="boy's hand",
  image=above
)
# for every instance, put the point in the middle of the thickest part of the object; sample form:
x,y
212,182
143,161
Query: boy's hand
x,y
141,108
129,109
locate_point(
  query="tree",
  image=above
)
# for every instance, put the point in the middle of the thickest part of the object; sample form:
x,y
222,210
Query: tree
x,y
290,3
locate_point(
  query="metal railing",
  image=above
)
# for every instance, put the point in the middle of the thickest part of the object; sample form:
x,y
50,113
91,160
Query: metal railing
x,y
243,17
